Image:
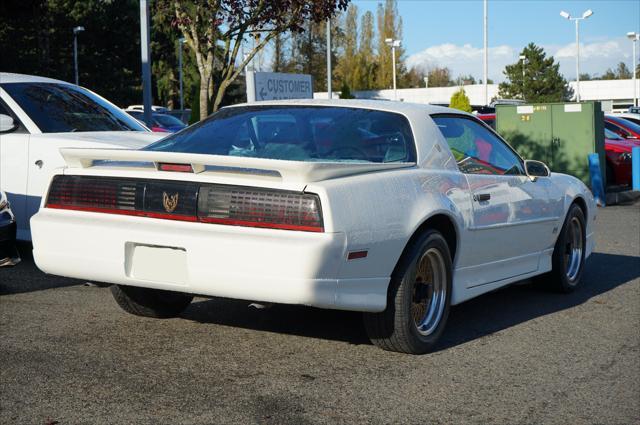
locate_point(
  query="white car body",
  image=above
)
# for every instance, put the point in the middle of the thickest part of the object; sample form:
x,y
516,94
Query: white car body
x,y
375,208
28,157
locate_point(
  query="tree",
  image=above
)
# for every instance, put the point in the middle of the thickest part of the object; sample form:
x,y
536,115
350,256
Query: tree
x,y
460,100
413,78
439,77
542,80
465,80
347,68
278,53
620,73
586,77
389,26
37,38
217,28
345,92
367,65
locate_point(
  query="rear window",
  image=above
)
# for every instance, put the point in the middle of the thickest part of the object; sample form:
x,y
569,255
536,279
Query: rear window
x,y
298,133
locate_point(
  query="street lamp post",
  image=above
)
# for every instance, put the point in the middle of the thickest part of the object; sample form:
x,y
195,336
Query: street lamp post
x,y
523,58
585,15
76,30
329,76
181,41
393,44
634,37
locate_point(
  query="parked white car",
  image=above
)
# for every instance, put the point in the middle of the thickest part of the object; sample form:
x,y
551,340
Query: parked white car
x,y
40,115
392,209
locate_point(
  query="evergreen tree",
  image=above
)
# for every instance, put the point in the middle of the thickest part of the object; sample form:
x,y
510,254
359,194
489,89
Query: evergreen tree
x,y
345,92
460,100
542,79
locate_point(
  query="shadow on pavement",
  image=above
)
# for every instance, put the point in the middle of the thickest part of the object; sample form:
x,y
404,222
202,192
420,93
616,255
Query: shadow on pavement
x,y
474,319
25,276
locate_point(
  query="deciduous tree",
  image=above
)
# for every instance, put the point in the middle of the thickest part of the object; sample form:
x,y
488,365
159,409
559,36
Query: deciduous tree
x,y
217,28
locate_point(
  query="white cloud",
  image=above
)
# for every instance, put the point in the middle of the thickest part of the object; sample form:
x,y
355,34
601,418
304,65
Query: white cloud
x,y
464,59
595,57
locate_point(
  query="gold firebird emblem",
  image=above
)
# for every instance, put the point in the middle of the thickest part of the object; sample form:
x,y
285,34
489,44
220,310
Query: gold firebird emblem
x,y
169,202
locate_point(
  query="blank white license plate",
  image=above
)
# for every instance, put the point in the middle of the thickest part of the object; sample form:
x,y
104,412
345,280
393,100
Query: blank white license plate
x,y
157,264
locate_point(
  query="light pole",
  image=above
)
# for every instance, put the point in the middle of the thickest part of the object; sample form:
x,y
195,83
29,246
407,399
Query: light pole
x,y
634,37
585,15
76,30
485,65
181,41
145,53
393,43
329,89
523,58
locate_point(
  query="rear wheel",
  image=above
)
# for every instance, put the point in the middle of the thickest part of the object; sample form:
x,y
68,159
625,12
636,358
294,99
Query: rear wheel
x,y
418,300
150,302
569,252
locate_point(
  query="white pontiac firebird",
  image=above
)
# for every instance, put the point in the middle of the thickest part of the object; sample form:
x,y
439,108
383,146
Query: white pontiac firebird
x,y
396,210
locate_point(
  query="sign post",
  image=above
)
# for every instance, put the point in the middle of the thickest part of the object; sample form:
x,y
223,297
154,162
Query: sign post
x,y
276,86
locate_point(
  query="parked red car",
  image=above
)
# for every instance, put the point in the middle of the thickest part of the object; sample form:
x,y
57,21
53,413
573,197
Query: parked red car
x,y
618,153
489,119
622,127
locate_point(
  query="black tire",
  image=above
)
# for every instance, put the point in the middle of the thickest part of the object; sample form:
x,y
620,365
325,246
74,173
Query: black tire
x,y
395,328
562,278
150,302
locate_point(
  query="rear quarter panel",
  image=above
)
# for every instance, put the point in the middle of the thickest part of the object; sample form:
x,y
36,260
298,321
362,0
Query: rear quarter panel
x,y
379,212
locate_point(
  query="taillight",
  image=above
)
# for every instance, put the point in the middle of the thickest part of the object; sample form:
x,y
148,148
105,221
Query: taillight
x,y
208,203
255,207
87,193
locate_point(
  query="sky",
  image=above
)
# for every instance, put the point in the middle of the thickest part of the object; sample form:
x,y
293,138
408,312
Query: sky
x,y
450,33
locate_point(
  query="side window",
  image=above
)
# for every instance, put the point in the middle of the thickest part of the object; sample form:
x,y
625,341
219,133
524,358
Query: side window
x,y
476,149
4,110
618,130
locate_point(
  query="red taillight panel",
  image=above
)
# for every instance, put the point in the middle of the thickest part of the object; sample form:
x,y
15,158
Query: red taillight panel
x,y
256,207
89,192
171,200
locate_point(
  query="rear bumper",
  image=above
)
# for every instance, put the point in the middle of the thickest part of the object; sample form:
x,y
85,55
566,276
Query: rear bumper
x,y
254,264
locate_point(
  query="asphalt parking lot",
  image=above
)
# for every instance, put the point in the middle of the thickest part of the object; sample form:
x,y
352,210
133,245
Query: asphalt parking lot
x,y
69,355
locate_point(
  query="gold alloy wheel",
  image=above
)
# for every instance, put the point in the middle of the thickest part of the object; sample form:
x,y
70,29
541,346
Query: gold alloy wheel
x,y
429,292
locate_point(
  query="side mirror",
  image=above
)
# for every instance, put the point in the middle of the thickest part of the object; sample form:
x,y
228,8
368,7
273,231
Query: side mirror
x,y
535,169
7,124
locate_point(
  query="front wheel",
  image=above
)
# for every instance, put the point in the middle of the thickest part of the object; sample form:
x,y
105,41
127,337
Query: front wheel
x,y
418,300
569,252
150,302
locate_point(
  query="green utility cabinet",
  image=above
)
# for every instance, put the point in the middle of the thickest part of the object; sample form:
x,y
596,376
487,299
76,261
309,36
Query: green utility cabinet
x,y
560,134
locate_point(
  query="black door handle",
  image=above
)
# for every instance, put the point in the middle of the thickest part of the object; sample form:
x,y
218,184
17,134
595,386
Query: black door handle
x,y
481,197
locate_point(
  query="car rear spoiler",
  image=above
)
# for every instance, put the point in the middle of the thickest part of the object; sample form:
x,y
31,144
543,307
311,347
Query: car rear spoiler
x,y
293,171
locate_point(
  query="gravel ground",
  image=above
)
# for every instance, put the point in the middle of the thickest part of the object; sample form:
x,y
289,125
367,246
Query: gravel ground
x,y
69,355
